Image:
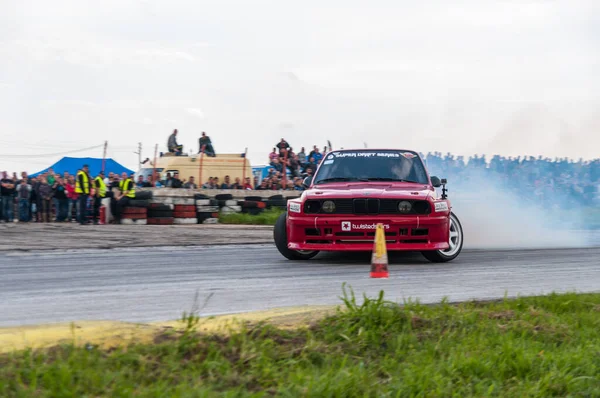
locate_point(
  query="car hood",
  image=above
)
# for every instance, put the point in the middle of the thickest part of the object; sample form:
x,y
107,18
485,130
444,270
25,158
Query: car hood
x,y
370,190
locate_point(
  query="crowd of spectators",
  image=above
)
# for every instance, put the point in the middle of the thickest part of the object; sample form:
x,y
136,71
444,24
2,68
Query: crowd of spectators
x,y
289,168
47,197
549,182
175,181
38,198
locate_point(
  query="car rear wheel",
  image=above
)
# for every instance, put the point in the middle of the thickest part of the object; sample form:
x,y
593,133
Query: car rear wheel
x,y
456,243
281,241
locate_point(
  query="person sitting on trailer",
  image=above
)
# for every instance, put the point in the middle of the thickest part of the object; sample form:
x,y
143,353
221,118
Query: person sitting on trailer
x,y
172,144
206,144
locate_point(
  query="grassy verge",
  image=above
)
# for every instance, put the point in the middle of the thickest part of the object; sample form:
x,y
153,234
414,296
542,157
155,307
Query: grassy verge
x,y
267,217
541,346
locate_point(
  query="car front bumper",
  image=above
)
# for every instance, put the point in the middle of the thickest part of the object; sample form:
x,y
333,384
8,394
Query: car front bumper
x,y
333,233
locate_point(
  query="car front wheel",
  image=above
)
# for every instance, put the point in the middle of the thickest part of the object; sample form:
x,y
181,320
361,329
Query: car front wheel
x,y
456,243
281,241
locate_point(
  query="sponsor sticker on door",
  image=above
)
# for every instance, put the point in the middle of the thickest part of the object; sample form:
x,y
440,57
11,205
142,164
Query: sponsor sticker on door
x,y
350,226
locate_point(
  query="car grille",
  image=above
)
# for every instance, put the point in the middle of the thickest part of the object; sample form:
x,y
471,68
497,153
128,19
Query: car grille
x,y
367,206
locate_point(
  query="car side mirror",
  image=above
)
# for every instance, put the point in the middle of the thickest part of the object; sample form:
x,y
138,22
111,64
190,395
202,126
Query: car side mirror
x,y
435,181
307,181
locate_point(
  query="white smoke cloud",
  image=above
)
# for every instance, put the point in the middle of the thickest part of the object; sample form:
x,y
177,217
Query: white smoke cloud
x,y
494,217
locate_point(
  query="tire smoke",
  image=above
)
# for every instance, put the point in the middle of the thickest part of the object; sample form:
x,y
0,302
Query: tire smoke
x,y
493,217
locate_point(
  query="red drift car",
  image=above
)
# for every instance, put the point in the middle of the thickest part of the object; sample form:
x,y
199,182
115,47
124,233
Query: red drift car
x,y
354,190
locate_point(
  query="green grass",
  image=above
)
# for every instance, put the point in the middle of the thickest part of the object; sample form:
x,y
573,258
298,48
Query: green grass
x,y
267,217
527,347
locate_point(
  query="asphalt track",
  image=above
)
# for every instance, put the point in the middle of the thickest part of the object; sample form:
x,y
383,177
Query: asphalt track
x,y
144,285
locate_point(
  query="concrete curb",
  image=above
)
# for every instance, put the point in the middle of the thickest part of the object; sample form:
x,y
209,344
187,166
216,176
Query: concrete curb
x,y
109,334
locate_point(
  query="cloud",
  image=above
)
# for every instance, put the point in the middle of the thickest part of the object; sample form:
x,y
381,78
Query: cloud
x,y
195,112
148,55
68,103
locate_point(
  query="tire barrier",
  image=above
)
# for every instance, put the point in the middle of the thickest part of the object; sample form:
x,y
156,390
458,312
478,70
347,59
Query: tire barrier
x,y
143,195
160,221
168,206
129,221
139,203
192,220
134,213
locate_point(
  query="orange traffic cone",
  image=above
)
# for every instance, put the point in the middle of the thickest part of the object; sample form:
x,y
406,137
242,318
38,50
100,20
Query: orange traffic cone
x,y
379,260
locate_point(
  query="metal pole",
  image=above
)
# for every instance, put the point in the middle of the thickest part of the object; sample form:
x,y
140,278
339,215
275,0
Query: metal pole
x,y
285,158
244,172
104,155
154,165
139,153
200,163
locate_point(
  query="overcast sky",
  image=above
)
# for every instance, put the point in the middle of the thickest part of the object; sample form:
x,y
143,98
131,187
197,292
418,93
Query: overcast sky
x,y
511,76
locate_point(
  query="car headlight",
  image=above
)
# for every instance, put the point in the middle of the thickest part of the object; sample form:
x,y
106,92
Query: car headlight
x,y
328,206
404,207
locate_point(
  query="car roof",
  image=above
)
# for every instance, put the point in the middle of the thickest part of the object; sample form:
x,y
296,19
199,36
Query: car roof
x,y
373,150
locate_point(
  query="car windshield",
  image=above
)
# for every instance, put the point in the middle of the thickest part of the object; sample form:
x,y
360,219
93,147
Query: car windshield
x,y
369,165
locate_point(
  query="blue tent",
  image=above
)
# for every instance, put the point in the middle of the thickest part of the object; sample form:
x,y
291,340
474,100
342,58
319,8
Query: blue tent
x,y
72,165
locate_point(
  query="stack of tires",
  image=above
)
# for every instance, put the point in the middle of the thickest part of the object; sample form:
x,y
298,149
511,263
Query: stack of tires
x,y
160,214
227,204
207,209
136,213
253,205
184,211
277,201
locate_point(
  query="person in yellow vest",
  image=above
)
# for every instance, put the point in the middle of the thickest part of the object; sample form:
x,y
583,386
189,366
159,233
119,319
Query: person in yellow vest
x,y
100,188
123,196
83,188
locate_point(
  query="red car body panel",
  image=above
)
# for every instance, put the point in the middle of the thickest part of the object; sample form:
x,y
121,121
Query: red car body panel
x,y
352,232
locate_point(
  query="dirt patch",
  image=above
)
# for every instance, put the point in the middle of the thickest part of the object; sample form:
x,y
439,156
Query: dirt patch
x,y
419,323
501,315
112,334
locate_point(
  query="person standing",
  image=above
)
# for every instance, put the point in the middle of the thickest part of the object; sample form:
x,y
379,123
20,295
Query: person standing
x,y
45,196
70,186
24,195
83,188
190,184
29,182
175,181
283,147
100,194
33,199
60,198
7,191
